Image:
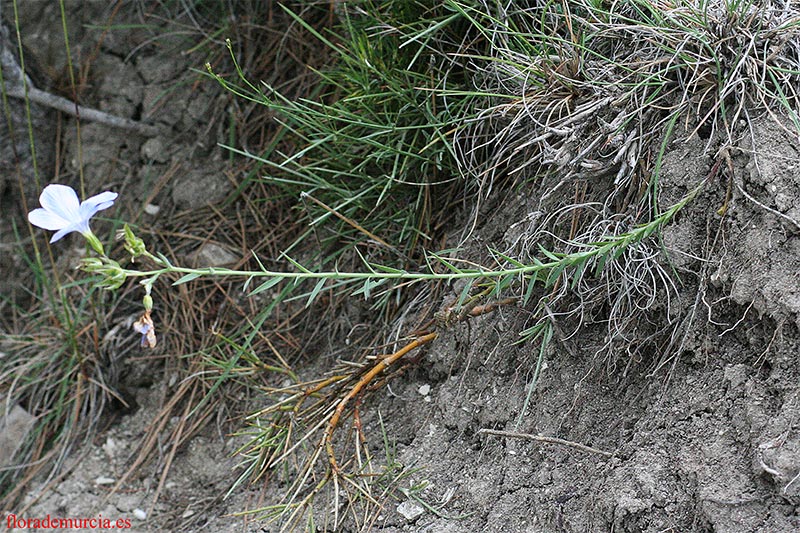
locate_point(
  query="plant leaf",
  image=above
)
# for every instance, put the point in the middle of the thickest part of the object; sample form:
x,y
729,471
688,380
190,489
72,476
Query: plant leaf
x,y
187,278
266,285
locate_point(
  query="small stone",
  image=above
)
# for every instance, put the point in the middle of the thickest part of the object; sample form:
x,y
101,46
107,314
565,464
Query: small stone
x,y
14,429
736,375
154,150
139,514
152,209
201,187
212,255
127,502
110,447
410,510
424,390
187,513
103,480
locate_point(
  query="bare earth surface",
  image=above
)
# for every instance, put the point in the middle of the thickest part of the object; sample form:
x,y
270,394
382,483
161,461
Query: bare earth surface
x,y
709,441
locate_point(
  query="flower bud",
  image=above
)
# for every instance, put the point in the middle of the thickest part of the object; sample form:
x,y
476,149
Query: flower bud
x,y
94,242
91,264
114,280
133,244
112,274
148,302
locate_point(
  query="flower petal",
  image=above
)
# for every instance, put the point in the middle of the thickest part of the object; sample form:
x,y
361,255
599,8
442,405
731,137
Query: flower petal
x,y
96,203
60,234
42,218
150,339
62,201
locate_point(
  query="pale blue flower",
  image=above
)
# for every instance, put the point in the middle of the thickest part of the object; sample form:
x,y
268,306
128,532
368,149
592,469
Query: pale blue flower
x,y
63,213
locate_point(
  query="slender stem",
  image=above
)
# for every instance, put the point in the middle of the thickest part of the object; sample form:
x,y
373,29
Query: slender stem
x,y
599,248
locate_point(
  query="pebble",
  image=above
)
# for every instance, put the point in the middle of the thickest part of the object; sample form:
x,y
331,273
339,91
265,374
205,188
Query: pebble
x,y
103,480
154,149
151,209
15,424
425,389
213,255
110,447
139,514
410,510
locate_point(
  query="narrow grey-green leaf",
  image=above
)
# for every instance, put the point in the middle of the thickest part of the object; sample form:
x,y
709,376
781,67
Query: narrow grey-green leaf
x,y
601,263
266,286
549,254
555,273
510,259
388,269
187,278
260,264
298,265
448,265
465,292
529,290
578,275
316,291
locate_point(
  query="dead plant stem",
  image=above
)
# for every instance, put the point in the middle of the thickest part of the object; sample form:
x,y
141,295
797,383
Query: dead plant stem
x,y
541,438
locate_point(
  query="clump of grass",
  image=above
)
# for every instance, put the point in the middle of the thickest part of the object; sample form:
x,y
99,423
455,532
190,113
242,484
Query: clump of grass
x,y
59,368
585,98
588,87
370,151
65,352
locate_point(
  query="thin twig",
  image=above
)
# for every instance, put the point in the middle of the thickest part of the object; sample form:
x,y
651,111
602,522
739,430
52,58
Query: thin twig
x,y
17,82
352,223
767,208
541,438
87,113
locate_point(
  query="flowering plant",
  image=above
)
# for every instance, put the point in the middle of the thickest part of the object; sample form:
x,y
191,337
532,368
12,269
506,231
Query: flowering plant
x,y
63,213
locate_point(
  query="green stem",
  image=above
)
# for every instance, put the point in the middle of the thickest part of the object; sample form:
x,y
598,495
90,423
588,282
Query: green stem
x,y
384,273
